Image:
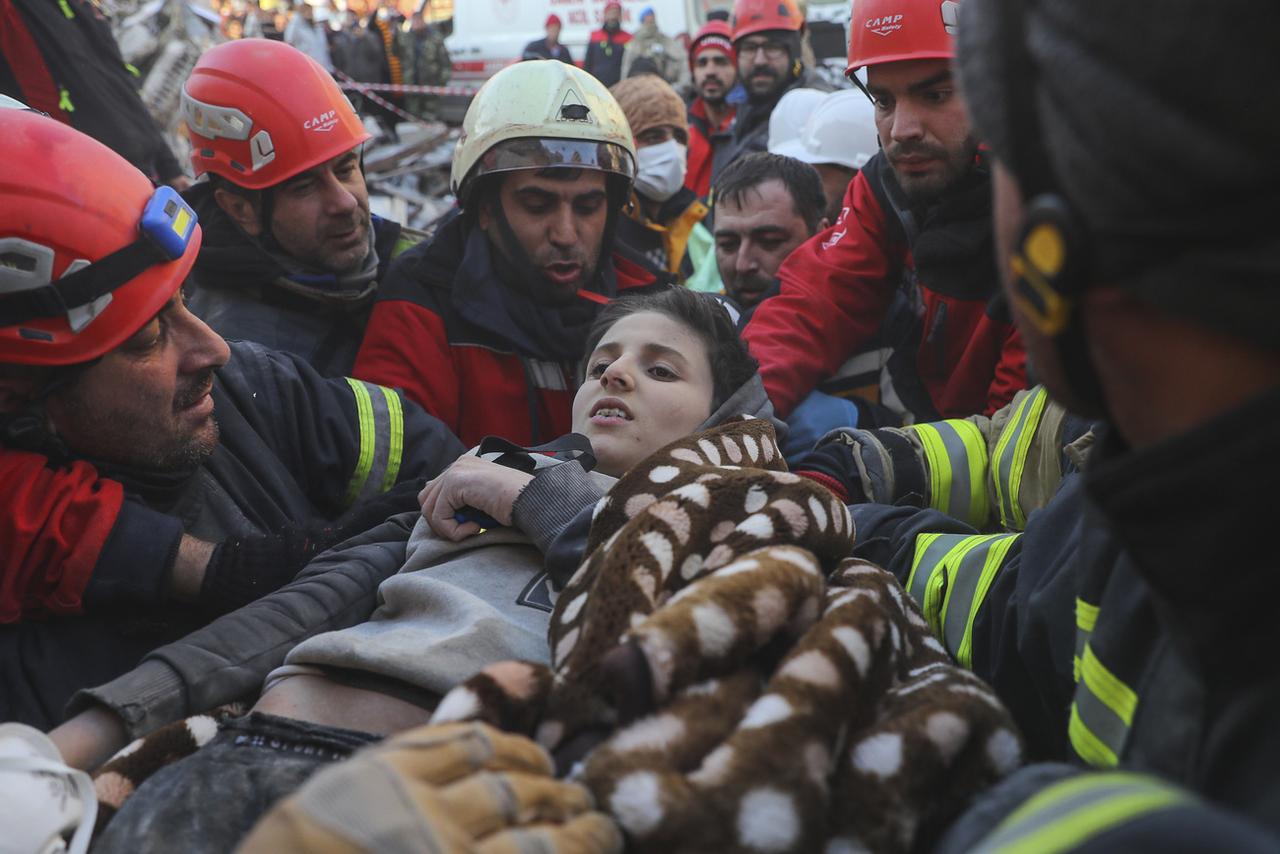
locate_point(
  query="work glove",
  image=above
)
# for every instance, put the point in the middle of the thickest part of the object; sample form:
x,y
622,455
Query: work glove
x,y
816,416
452,788
244,569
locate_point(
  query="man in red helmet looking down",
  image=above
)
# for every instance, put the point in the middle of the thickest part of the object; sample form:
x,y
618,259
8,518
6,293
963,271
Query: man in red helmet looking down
x,y
152,475
896,308
292,256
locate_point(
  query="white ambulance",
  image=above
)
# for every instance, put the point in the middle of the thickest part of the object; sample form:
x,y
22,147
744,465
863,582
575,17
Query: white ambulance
x,y
489,35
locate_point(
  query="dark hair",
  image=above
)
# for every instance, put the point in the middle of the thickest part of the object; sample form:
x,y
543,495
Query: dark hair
x,y
801,180
732,364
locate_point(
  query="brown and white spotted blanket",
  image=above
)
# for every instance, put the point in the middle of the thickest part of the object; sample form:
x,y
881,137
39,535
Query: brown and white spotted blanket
x,y
725,679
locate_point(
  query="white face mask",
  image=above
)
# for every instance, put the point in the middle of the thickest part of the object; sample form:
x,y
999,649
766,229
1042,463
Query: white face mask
x,y
660,170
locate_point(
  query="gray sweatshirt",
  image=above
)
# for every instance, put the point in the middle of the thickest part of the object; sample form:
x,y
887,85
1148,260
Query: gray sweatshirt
x,y
441,611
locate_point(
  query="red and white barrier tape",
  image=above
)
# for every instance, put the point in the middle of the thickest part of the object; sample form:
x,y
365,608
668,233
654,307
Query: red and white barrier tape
x,y
407,89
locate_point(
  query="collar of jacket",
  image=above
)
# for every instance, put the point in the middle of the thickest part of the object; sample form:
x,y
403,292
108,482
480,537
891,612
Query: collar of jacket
x,y
699,119
949,240
460,259
229,258
1195,513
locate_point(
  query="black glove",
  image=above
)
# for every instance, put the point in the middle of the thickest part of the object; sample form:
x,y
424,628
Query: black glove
x,y
245,569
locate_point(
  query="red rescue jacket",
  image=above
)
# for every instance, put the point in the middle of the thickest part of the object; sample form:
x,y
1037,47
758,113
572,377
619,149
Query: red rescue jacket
x,y
905,305
702,146
482,358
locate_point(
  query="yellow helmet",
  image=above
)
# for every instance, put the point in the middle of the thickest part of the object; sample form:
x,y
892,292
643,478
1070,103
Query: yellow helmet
x,y
542,114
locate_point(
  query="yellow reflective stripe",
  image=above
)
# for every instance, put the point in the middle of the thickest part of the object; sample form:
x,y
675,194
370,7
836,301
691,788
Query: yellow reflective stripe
x,y
923,586
1103,684
1010,458
66,10
1086,616
990,569
1086,619
950,577
935,454
979,463
951,564
64,101
956,454
368,441
395,414
1088,746
1070,813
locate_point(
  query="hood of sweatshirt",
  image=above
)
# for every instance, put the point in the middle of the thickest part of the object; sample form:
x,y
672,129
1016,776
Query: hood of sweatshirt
x,y
750,399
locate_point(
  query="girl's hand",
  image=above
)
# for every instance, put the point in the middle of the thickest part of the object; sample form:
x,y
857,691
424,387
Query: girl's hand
x,y
470,482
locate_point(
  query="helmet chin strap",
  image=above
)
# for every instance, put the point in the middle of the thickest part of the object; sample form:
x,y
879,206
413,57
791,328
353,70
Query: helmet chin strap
x,y
516,268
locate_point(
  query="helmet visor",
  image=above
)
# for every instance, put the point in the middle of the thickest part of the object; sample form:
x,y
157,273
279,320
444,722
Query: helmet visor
x,y
542,153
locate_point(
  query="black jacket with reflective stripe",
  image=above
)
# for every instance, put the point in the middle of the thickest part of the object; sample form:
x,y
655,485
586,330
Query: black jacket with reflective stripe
x,y
292,446
1150,576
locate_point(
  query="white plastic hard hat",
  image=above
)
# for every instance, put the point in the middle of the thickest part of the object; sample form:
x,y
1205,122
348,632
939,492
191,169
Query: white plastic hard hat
x,y
41,799
542,114
787,121
840,130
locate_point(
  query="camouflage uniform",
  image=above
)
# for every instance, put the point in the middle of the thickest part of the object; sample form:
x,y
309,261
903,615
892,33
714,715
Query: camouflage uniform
x,y
425,61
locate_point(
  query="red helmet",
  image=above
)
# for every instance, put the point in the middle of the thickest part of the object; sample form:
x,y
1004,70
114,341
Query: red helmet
x,y
259,112
895,30
756,16
718,33
67,202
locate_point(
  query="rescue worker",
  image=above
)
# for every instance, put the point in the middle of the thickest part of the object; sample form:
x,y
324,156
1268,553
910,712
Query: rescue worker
x,y
1129,628
549,47
838,138
63,60
766,206
292,257
715,74
663,212
896,308
153,476
425,61
766,40
656,47
484,325
605,47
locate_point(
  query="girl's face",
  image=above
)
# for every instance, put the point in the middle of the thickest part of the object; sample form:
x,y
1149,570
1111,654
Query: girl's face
x,y
648,383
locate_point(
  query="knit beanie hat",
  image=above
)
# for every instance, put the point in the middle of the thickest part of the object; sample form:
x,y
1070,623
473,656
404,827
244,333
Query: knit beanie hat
x,y
1160,122
649,101
713,41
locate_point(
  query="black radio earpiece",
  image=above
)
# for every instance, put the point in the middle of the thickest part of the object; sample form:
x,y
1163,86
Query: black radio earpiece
x,y
1048,263
1048,258
1051,258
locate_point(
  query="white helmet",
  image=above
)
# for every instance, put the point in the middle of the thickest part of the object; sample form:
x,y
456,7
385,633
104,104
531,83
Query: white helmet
x,y
542,114
841,130
789,116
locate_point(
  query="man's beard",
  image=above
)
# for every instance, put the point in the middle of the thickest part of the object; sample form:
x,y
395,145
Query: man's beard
x,y
521,273
774,88
185,453
713,100
757,286
926,190
141,443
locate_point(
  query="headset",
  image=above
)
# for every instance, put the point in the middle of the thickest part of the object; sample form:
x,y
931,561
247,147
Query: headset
x,y
1051,256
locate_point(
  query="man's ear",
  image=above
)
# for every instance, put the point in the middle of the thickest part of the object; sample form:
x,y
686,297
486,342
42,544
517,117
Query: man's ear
x,y
241,210
823,224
